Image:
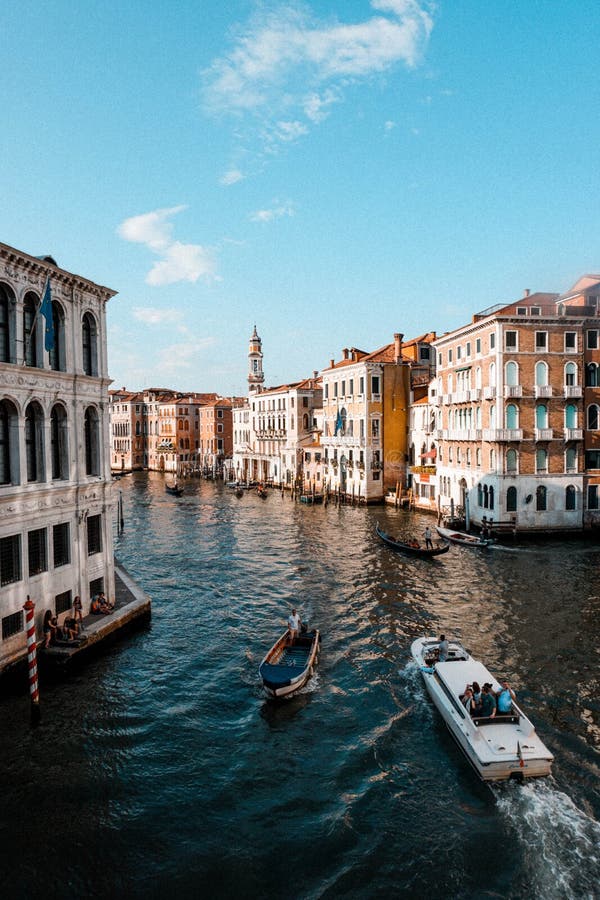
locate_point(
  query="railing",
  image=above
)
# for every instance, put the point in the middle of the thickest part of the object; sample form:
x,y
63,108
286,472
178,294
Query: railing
x,y
543,390
573,434
513,390
543,434
459,397
489,392
502,434
475,394
573,390
344,440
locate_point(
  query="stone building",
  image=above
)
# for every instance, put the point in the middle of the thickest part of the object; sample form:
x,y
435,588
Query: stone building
x,y
55,482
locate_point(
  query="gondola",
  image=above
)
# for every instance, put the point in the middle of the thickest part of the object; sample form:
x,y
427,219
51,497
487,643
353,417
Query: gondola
x,y
287,666
174,489
405,547
461,537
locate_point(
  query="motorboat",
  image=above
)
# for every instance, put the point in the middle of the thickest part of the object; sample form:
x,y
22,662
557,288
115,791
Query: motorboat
x,y
413,548
289,663
462,538
498,748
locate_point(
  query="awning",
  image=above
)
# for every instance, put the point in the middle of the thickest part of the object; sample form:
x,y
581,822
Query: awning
x,y
464,369
431,454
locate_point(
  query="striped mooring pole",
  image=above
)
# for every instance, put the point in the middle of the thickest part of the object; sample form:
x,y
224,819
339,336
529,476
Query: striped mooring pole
x,y
34,693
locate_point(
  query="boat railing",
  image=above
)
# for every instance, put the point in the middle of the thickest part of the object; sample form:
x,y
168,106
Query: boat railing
x,y
495,720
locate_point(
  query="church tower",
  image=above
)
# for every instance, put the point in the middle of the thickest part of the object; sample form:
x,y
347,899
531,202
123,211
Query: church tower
x,y
256,375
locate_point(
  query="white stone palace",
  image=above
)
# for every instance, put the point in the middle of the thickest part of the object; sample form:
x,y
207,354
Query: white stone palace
x,y
55,482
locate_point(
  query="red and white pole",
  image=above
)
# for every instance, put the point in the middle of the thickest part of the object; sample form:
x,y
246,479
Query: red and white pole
x,y
34,693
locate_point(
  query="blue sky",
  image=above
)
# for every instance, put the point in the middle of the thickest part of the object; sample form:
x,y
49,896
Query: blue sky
x,y
331,171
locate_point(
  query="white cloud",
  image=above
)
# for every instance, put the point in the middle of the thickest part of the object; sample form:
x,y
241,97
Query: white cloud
x,y
150,316
182,355
287,60
267,215
231,177
178,262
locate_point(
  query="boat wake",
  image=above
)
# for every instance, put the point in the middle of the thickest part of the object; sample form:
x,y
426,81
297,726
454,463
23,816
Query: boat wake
x,y
561,844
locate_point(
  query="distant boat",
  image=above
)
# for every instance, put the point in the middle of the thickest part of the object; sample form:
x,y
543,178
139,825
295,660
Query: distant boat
x,y
311,498
174,489
461,537
262,492
498,748
415,549
287,667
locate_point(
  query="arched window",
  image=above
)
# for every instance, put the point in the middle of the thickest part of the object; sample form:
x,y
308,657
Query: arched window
x,y
511,499
592,417
7,304
492,375
89,334
34,441
479,495
541,374
9,443
492,460
511,460
57,354
570,373
540,498
92,442
571,459
512,416
512,374
541,416
491,496
58,442
570,416
541,460
450,383
468,455
478,377
485,496
492,416
478,457
591,375
570,497
32,331
478,417
305,422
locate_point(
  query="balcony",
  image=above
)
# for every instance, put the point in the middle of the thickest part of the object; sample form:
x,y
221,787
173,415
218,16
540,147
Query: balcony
x,y
573,434
494,435
461,434
513,390
344,440
460,397
435,400
573,390
475,394
440,434
543,434
543,390
489,392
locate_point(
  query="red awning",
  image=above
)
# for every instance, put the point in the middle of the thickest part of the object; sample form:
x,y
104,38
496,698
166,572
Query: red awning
x,y
431,454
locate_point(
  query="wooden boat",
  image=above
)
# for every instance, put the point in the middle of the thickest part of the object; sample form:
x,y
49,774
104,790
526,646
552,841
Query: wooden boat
x,y
498,748
287,667
406,547
461,537
262,492
174,489
311,498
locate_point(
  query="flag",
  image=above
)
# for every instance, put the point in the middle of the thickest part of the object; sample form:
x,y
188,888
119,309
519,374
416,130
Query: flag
x,y
46,311
520,755
339,424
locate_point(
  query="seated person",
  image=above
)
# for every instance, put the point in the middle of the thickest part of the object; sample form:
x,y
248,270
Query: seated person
x,y
488,702
504,699
477,698
467,700
105,606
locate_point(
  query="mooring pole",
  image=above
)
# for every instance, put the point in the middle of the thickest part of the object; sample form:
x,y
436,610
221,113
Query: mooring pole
x,y
34,693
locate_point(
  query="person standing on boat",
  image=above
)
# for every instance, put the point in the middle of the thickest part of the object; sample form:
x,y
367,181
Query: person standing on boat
x,y
443,648
428,541
504,699
293,625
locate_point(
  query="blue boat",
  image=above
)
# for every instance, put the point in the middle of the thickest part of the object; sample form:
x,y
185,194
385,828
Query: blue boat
x,y
289,664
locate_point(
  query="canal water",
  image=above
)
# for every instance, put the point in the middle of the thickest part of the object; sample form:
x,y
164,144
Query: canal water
x,y
160,769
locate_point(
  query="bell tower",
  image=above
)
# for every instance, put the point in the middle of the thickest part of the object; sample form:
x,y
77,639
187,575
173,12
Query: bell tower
x,y
256,375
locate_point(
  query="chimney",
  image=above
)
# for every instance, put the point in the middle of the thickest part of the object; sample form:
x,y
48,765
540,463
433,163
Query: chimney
x,y
315,373
346,353
331,363
526,292
398,338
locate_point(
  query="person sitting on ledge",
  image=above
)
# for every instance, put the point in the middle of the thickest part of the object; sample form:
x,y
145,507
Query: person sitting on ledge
x,y
100,605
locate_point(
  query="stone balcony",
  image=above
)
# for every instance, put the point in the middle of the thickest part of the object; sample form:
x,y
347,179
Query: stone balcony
x,y
573,390
494,435
542,390
573,434
543,434
513,390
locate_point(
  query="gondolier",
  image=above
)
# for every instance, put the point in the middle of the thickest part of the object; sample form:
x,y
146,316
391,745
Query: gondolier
x,y
427,535
294,624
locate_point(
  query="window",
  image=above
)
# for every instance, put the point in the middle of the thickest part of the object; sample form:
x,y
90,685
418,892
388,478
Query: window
x,y
375,389
58,442
511,461
468,349
335,389
541,340
57,354
478,345
31,349
96,587
12,625
343,392
351,388
61,544
570,374
570,497
592,339
511,499
592,496
458,352
541,374
62,602
37,551
89,335
591,375
6,305
479,495
375,428
570,340
541,460
94,534
592,459
541,416
540,498
424,353
9,444
449,356
34,442
512,374
492,341
92,449
10,559
477,457
570,459
361,383
510,340
592,417
512,416
521,310
570,416
535,311
325,391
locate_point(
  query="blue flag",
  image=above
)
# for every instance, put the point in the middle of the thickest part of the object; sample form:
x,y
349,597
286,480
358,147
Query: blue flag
x,y
46,310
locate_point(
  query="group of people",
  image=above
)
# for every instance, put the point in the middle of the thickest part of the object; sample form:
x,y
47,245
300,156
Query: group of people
x,y
71,630
487,703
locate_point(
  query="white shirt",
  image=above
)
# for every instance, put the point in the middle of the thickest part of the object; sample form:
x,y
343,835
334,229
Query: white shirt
x,y
294,622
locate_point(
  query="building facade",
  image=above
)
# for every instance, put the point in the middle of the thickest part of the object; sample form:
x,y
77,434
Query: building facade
x,y
55,482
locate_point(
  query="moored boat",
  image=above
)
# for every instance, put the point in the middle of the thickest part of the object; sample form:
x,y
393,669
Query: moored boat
x,y
461,537
413,549
287,666
498,748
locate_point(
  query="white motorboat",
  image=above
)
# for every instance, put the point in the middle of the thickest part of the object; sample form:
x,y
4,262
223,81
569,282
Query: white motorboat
x,y
498,748
461,537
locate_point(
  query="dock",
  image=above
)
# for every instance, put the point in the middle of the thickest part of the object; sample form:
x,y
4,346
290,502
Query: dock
x,y
132,607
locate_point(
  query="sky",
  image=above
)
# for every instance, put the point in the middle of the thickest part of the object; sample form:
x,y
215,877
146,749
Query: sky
x,y
332,171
